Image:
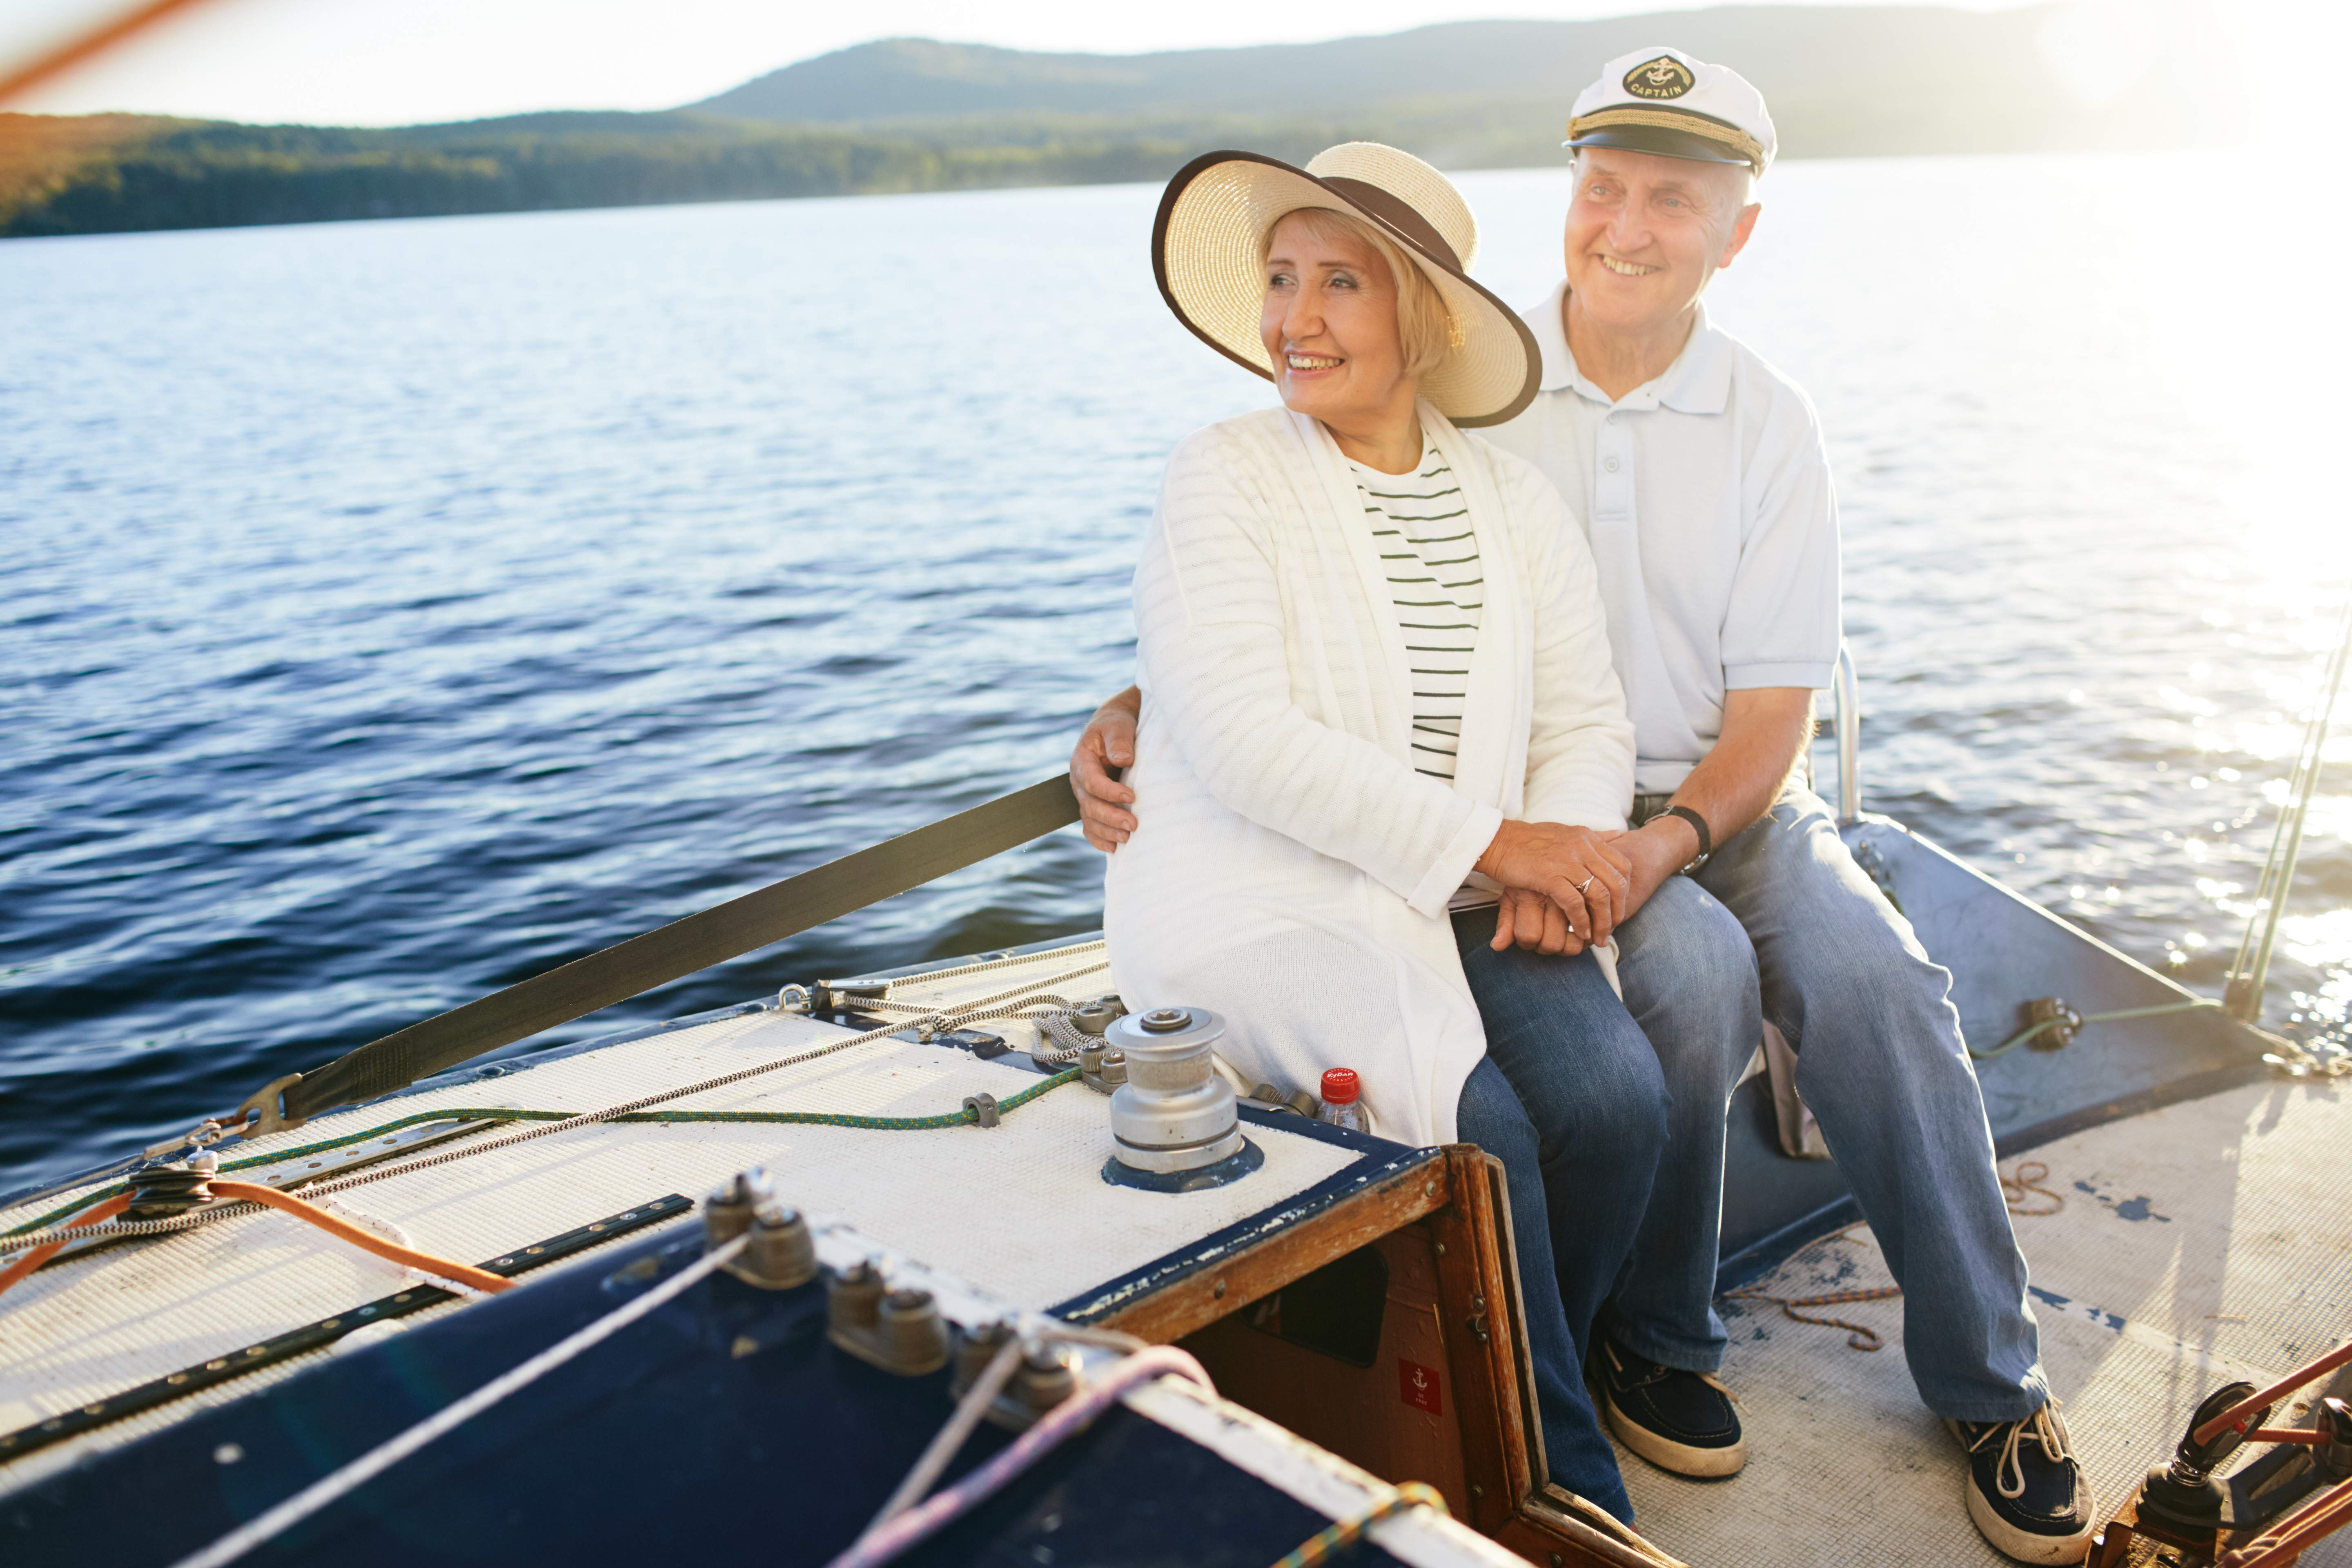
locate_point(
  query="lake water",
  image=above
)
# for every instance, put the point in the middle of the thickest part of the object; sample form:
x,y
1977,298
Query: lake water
x,y
390,611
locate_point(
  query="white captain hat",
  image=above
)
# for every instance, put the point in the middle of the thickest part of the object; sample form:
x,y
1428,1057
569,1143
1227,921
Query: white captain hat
x,y
1660,100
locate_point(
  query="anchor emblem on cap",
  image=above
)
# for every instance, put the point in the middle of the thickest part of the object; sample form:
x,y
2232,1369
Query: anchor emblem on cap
x,y
1665,77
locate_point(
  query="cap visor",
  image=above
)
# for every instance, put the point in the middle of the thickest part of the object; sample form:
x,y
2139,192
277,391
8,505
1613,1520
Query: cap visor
x,y
1662,142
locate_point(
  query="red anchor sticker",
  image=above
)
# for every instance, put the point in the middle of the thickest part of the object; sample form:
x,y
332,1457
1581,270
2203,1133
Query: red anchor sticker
x,y
1417,1386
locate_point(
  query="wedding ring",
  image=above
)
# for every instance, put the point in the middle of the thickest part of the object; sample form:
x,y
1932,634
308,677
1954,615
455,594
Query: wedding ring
x,y
1586,883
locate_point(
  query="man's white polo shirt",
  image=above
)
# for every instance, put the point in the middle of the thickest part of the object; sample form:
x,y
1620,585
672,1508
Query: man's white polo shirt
x,y
1707,496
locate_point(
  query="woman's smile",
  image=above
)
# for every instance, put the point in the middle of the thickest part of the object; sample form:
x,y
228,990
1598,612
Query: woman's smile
x,y
1328,323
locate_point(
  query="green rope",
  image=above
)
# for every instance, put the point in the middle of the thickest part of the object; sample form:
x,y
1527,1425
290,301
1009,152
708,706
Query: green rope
x,y
1348,1532
960,1117
2031,1030
841,1118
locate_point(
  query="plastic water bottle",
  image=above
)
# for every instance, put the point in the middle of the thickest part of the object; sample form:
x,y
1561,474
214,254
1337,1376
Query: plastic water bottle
x,y
1342,1102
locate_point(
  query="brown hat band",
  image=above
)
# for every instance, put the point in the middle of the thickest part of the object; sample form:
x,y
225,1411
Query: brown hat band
x,y
1398,214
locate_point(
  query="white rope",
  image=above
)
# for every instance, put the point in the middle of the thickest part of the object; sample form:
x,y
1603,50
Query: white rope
x,y
331,1488
395,1234
382,1227
1060,1041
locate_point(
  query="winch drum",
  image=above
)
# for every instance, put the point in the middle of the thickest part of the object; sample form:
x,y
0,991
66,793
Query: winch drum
x,y
1174,1112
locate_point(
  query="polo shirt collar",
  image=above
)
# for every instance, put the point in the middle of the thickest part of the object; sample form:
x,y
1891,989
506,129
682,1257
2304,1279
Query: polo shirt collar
x,y
1698,381
1550,329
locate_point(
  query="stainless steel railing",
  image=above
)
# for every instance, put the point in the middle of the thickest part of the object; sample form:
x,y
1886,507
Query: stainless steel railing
x,y
1847,692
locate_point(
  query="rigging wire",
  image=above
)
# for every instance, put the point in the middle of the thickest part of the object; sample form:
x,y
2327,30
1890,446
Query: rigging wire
x,y
2250,969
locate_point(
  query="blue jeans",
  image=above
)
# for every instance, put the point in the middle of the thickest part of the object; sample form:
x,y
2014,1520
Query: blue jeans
x,y
1782,924
1571,1099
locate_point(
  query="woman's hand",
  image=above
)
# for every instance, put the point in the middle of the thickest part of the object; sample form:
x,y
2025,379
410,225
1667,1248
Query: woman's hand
x,y
1588,879
1108,742
1533,923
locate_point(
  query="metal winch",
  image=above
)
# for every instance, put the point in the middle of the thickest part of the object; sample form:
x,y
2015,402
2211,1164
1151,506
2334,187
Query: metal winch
x,y
1174,1119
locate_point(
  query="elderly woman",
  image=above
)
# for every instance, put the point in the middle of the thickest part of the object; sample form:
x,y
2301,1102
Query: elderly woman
x,y
1382,743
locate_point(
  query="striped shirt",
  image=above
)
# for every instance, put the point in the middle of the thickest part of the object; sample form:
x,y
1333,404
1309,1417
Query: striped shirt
x,y
1421,522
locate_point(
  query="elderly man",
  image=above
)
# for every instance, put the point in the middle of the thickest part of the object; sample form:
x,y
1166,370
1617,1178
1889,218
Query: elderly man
x,y
1699,475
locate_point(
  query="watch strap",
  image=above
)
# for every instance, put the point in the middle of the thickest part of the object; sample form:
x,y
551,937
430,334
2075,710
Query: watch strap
x,y
1698,825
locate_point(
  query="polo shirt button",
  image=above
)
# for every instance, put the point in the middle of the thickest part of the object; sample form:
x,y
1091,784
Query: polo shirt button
x,y
1609,464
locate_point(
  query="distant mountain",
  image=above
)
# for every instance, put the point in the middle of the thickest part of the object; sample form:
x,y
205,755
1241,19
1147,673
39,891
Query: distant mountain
x,y
1841,80
1776,47
913,114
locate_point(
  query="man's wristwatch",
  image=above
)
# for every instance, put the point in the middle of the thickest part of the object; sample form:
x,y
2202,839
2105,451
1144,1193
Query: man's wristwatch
x,y
1698,825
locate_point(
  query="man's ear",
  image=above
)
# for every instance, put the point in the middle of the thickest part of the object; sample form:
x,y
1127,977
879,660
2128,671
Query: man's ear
x,y
1741,227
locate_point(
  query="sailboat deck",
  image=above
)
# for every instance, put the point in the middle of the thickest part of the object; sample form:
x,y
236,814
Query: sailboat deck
x,y
1020,1211
2197,1245
2194,1245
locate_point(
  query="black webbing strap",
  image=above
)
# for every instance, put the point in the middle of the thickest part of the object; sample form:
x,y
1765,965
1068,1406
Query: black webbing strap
x,y
670,952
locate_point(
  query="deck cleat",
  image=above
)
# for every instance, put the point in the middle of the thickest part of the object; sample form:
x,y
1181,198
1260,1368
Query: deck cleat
x,y
975,1349
727,1214
1270,1097
2058,1023
900,1331
159,1191
913,1337
1102,1067
853,1301
783,1253
1045,1376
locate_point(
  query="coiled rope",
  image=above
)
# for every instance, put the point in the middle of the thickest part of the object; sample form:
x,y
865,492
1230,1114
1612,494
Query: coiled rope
x,y
1068,1039
2015,1191
1002,1004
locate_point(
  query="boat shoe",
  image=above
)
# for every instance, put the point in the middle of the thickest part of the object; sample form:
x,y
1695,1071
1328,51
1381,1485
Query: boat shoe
x,y
2026,1492
1680,1421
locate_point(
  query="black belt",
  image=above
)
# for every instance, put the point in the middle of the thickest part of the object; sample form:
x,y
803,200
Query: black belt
x,y
665,953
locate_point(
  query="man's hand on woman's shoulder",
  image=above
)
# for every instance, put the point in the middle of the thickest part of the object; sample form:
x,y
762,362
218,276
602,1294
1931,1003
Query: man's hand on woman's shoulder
x,y
1108,742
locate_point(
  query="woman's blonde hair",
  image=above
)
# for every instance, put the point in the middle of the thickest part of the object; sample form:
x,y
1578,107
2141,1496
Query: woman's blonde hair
x,y
1426,331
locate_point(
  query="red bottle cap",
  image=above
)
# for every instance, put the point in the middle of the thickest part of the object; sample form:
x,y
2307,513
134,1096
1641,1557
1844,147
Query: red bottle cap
x,y
1340,1085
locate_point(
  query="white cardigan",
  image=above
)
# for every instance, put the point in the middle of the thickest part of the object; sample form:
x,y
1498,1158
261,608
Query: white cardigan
x,y
1291,869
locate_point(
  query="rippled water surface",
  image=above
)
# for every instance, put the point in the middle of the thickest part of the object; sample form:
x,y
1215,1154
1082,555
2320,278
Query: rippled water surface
x,y
389,610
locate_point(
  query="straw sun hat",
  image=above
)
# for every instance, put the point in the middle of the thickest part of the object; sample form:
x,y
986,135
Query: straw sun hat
x,y
1207,252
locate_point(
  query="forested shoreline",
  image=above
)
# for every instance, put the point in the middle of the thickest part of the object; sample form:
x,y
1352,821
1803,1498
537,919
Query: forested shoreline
x,y
908,115
206,175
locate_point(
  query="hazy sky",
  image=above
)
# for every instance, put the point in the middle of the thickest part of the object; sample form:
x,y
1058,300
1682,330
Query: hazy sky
x,y
383,62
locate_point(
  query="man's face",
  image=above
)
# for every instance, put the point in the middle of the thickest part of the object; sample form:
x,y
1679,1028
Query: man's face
x,y
1645,232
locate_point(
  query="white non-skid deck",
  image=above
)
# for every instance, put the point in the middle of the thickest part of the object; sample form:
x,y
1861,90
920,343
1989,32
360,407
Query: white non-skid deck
x,y
2204,1242
2198,1244
1019,1211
